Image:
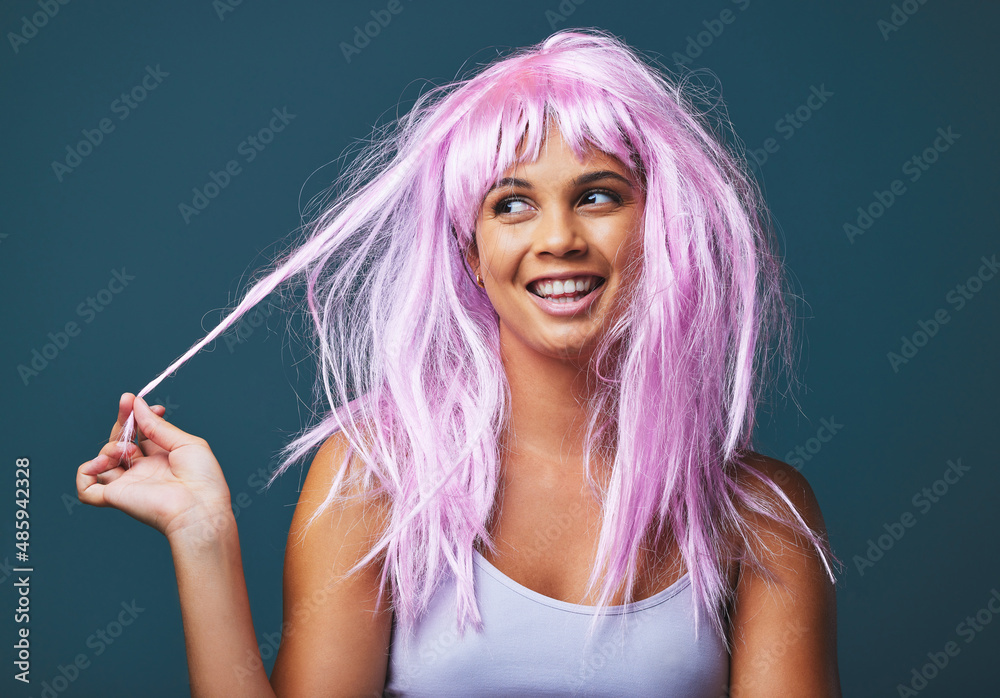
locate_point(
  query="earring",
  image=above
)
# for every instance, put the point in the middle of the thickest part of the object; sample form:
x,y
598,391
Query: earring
x,y
479,281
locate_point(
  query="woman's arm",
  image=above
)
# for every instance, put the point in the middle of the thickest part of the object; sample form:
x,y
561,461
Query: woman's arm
x,y
223,658
785,637
330,646
333,643
176,485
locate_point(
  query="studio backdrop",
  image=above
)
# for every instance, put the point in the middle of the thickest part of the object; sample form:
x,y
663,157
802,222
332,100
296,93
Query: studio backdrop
x,y
155,155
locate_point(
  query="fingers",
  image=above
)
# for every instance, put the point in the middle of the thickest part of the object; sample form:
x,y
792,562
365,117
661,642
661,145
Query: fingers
x,y
88,489
106,469
112,455
147,446
124,409
125,406
159,431
92,476
159,411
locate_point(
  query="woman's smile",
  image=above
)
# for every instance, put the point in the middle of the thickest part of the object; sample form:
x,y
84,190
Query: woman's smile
x,y
556,241
564,303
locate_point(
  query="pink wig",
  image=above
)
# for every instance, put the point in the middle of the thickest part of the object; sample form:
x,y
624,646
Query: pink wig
x,y
408,344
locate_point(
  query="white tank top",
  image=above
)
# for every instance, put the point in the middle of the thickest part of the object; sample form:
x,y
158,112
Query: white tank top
x,y
534,645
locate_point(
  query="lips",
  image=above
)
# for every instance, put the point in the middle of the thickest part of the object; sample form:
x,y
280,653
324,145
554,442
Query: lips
x,y
570,305
554,288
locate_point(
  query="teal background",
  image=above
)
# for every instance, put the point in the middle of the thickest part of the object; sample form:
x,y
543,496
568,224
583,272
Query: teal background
x,y
61,241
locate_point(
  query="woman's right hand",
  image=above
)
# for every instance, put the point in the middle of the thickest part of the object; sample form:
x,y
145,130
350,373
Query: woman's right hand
x,y
175,484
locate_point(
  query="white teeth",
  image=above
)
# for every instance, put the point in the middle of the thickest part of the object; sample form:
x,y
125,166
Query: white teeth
x,y
580,284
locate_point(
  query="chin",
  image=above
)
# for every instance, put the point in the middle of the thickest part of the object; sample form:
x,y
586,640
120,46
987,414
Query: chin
x,y
574,352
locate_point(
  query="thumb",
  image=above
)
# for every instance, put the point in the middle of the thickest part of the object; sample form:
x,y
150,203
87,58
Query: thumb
x,y
158,430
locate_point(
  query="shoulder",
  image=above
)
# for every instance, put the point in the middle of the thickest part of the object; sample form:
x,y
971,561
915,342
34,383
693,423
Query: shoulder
x,y
777,501
336,634
337,462
783,619
756,470
343,525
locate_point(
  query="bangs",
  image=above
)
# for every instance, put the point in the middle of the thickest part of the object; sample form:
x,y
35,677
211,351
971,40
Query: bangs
x,y
507,126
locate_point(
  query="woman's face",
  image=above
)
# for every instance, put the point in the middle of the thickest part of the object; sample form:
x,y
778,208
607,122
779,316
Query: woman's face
x,y
554,241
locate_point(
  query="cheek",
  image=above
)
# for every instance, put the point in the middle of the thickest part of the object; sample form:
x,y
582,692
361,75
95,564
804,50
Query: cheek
x,y
633,243
628,259
634,247
500,256
623,243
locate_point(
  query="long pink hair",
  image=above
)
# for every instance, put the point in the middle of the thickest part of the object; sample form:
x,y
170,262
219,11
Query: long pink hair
x,y
408,344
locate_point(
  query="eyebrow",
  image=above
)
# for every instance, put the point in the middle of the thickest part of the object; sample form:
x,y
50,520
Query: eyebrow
x,y
585,178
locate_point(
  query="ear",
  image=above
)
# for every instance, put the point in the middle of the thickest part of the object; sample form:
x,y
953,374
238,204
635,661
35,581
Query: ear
x,y
472,255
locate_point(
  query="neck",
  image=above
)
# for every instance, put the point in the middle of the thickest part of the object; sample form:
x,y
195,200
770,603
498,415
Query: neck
x,y
547,410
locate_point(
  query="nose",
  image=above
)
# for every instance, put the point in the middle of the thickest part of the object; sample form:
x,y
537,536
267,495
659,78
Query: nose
x,y
558,233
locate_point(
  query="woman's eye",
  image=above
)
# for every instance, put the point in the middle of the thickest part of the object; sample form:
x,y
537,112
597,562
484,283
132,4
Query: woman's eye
x,y
600,197
516,205
511,206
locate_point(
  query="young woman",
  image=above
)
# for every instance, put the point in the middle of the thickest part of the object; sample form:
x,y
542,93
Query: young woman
x,y
543,306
